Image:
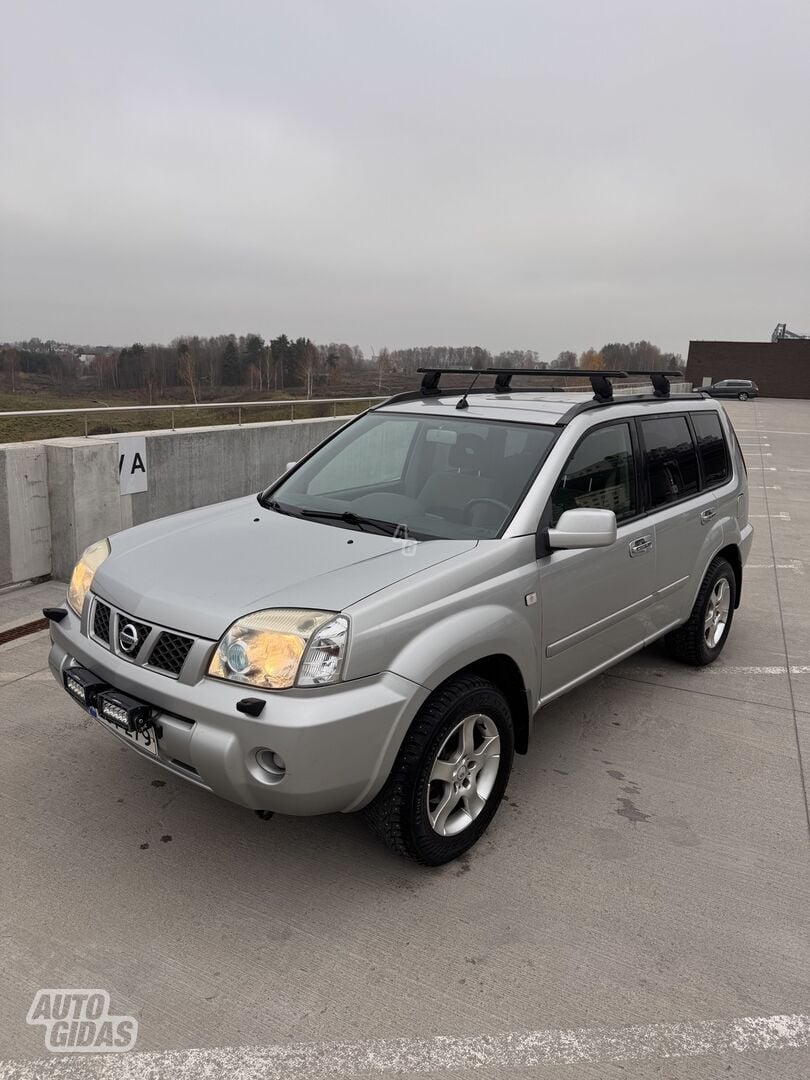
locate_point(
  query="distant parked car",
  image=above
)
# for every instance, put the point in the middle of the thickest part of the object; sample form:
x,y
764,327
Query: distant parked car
x,y
738,388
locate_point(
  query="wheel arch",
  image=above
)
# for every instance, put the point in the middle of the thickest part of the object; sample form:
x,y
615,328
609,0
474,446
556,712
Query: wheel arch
x,y
731,553
502,671
490,640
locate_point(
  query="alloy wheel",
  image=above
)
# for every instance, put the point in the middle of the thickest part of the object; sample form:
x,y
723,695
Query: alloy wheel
x,y
463,774
717,609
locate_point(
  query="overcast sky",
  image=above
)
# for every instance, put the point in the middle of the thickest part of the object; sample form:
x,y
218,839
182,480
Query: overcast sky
x,y
397,172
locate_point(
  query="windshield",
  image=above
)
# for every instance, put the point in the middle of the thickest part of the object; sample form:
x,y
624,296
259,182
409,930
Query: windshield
x,y
427,477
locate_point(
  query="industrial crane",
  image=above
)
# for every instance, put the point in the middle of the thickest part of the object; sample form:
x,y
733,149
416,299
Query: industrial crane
x,y
781,333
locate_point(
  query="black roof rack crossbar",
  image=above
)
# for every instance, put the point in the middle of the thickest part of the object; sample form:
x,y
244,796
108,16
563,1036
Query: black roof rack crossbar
x,y
675,374
600,380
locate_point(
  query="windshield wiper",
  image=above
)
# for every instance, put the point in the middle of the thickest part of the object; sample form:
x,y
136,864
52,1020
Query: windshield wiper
x,y
387,527
272,504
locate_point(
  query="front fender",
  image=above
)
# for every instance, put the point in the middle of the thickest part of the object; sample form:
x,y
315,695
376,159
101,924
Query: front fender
x,y
444,648
460,639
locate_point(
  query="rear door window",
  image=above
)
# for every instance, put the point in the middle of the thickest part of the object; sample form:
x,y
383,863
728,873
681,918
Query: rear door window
x,y
670,460
711,447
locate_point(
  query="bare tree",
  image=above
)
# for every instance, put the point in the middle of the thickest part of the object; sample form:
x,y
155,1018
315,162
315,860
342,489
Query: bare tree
x,y
185,367
10,364
385,365
310,364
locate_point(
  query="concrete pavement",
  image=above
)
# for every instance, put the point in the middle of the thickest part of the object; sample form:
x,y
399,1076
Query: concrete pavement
x,y
649,868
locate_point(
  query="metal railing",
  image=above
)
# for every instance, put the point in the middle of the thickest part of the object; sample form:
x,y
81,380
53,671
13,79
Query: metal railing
x,y
277,403
172,409
629,391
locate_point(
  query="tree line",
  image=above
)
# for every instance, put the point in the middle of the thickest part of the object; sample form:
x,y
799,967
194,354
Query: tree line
x,y
618,356
285,363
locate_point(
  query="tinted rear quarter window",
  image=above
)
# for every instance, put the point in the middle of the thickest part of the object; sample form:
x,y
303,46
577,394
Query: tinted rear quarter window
x,y
711,447
670,459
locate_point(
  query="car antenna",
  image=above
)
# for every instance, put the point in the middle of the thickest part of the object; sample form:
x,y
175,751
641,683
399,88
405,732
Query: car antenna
x,y
462,402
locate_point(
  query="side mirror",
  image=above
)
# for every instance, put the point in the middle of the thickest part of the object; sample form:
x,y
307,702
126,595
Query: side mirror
x,y
583,528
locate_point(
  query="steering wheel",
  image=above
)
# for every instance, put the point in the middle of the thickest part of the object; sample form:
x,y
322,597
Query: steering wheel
x,y
489,502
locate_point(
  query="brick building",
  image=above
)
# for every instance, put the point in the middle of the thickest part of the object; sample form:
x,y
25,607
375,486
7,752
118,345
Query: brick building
x,y
779,368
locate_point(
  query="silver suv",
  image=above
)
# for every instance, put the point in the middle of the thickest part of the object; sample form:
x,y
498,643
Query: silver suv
x,y
378,628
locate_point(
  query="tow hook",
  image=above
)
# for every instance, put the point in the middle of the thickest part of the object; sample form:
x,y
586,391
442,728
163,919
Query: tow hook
x,y
265,815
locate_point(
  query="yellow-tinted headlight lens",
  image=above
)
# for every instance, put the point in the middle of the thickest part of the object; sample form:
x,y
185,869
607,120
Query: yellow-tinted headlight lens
x,y
85,570
265,649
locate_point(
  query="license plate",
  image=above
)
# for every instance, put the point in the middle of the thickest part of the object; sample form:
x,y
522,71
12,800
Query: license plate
x,y
144,740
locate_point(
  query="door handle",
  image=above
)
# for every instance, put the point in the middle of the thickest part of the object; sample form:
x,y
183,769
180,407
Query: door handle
x,y
707,515
640,546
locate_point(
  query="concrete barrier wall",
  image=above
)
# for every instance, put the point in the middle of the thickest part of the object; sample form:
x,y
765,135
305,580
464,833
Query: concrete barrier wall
x,y
85,503
58,496
25,528
199,466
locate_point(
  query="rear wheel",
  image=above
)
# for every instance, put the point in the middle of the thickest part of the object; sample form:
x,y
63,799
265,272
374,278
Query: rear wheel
x,y
450,774
700,640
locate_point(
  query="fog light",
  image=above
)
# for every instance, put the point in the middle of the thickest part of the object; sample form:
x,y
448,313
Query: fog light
x,y
74,687
123,711
117,713
271,762
82,685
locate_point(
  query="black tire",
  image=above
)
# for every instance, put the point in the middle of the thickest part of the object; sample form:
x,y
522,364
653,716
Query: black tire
x,y
399,815
689,642
743,396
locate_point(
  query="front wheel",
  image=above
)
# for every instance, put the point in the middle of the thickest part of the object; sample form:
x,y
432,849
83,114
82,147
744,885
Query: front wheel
x,y
743,396
450,773
700,640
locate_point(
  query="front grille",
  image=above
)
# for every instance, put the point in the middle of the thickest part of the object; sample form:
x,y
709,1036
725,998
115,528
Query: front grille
x,y
142,632
101,622
170,652
142,644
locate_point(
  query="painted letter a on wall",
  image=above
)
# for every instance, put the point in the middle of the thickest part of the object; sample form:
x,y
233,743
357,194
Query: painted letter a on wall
x,y
133,473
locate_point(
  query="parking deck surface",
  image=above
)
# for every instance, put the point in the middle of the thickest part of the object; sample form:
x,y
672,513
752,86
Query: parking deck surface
x,y
646,880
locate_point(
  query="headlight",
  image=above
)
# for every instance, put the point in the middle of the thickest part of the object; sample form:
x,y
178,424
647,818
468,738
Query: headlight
x,y
85,570
282,648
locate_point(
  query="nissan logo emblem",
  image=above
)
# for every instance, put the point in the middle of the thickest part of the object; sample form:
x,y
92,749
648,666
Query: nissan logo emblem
x,y
128,638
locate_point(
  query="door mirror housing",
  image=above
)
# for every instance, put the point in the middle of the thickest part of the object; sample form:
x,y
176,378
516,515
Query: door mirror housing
x,y
583,528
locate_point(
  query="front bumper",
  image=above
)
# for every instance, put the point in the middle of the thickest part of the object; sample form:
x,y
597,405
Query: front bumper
x,y
338,742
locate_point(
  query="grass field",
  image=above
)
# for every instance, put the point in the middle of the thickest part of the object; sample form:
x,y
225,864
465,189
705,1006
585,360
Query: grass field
x,y
35,393
30,398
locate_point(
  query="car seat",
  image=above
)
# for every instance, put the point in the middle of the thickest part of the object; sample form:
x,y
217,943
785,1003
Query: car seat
x,y
446,493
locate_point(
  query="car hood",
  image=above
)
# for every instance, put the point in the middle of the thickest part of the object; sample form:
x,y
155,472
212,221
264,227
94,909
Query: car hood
x,y
199,571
